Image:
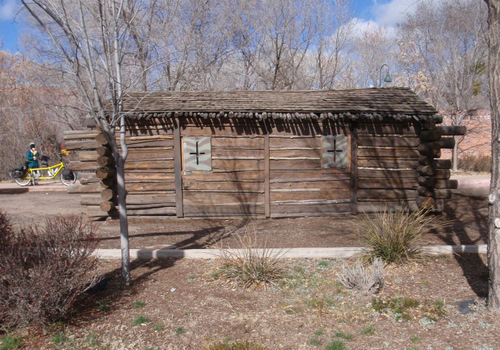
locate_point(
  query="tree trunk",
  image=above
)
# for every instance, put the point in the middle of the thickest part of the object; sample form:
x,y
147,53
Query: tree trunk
x,y
455,154
494,197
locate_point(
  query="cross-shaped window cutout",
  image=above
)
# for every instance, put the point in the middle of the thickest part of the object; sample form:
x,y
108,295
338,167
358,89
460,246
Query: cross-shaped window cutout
x,y
335,151
197,153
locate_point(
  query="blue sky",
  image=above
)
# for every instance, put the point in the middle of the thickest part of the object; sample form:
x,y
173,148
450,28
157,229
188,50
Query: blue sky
x,y
386,13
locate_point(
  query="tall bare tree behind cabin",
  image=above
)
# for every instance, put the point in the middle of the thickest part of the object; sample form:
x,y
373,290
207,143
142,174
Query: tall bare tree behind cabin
x,y
444,59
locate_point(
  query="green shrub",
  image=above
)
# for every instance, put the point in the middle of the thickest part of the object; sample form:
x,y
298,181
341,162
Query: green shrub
x,y
335,345
11,342
475,163
393,236
44,268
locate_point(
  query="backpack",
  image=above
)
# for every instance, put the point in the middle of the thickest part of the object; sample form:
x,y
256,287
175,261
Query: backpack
x,y
19,171
68,175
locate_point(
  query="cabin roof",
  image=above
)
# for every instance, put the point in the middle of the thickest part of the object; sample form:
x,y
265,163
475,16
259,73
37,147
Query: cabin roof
x,y
371,103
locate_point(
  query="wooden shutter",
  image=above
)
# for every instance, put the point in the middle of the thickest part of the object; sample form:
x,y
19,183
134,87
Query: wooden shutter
x,y
197,154
335,152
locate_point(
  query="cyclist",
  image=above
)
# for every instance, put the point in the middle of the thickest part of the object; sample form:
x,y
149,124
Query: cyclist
x,y
32,158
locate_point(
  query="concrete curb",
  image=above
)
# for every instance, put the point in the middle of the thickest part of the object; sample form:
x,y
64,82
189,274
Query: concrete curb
x,y
290,253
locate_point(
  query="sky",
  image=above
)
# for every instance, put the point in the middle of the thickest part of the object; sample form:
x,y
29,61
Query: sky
x,y
385,13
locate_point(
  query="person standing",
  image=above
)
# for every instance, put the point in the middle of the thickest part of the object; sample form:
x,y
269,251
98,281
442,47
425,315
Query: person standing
x,y
32,156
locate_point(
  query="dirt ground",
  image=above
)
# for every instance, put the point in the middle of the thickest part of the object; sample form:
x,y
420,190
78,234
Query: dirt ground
x,y
184,304
464,222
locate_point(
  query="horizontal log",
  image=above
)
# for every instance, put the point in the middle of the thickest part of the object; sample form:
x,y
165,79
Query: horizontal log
x,y
376,207
388,152
108,182
101,139
430,149
148,154
430,135
103,151
107,206
386,194
388,163
143,187
314,185
87,156
443,164
428,181
229,164
95,213
442,194
388,183
192,210
227,186
164,211
280,143
255,143
318,209
105,161
81,145
214,176
388,141
296,153
425,191
425,202
150,206
442,174
79,134
298,165
152,164
309,194
89,188
447,184
308,175
108,194
448,142
428,170
105,172
452,130
146,199
144,144
83,166
90,199
387,173
216,198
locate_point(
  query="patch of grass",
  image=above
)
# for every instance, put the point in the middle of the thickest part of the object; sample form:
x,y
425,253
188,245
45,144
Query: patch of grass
x,y
415,339
59,338
315,342
335,345
158,327
92,339
345,336
141,319
412,348
11,342
103,305
393,236
319,332
225,345
191,278
323,263
368,330
138,304
400,307
180,330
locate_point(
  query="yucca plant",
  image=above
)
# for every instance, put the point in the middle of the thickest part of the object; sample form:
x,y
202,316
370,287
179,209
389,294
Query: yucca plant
x,y
393,236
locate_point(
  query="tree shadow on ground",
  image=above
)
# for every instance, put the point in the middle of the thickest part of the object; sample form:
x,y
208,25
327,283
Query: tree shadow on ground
x,y
464,215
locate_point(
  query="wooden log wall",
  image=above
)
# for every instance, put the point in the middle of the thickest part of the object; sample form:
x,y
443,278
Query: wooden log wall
x,y
269,168
387,161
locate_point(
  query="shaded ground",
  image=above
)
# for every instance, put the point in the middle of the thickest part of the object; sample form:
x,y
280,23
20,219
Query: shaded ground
x,y
466,220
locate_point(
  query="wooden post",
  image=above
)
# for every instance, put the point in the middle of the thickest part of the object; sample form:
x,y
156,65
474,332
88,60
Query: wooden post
x,y
267,179
354,169
179,205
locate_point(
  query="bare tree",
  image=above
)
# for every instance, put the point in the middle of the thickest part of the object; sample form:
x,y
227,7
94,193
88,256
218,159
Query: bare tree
x,y
91,44
445,59
494,197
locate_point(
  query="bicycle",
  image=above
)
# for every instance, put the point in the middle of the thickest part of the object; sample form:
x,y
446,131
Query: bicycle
x,y
25,176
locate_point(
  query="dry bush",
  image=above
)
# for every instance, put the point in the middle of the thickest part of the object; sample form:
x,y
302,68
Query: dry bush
x,y
393,236
475,163
363,278
44,269
248,265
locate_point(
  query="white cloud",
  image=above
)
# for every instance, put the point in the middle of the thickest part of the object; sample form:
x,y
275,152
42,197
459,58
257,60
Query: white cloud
x,y
391,13
8,9
360,26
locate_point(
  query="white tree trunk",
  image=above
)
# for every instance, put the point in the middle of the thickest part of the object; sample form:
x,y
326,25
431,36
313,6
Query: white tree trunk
x,y
494,197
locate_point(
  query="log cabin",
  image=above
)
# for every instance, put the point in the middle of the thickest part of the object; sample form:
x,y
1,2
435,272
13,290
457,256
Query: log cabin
x,y
269,154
